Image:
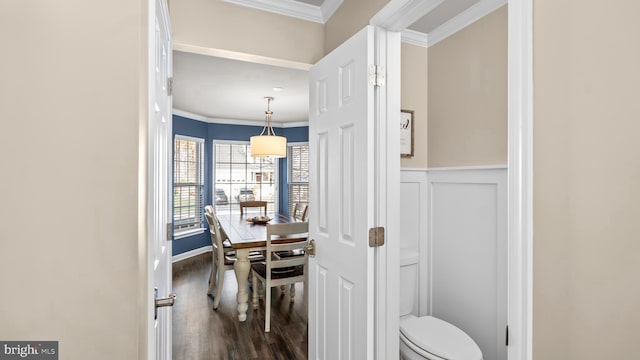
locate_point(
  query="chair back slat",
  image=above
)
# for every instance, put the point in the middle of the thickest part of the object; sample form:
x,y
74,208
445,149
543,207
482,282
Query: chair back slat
x,y
288,262
253,204
289,246
288,229
300,211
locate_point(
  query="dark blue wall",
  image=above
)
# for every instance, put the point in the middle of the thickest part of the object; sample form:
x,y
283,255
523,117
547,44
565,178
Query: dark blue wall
x,y
210,132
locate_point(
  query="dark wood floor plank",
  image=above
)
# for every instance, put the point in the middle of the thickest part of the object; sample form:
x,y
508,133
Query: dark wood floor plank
x,y
199,332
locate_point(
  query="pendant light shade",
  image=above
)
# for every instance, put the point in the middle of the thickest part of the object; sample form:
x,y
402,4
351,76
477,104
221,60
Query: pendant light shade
x,y
264,146
268,143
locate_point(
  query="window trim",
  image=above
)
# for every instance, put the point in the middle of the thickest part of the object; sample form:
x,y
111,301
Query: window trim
x,y
292,144
276,196
183,233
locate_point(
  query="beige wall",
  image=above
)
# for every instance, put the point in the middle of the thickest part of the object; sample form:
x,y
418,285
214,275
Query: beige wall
x,y
215,24
414,97
468,95
68,219
350,17
586,180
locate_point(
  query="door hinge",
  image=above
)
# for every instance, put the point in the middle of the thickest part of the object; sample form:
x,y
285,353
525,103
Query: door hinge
x,y
506,340
169,231
376,236
376,75
170,86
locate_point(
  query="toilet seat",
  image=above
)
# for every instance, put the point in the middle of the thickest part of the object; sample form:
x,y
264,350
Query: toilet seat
x,y
438,339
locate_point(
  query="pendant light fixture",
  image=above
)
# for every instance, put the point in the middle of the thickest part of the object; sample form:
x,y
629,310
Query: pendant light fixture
x,y
268,143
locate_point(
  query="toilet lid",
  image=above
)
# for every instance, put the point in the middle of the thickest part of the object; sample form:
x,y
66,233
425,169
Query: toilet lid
x,y
440,338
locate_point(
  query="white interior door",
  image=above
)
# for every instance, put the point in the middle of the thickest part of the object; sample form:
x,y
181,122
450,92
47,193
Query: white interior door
x,y
160,150
342,202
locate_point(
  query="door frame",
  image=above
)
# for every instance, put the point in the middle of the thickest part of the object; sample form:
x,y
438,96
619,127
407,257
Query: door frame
x,y
395,17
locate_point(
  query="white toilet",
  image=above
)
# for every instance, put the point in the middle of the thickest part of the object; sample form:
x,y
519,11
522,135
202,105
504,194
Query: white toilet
x,y
433,339
430,338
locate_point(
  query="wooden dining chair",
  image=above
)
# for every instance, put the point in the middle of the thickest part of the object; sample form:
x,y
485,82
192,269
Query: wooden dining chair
x,y
300,214
300,211
253,204
280,271
209,209
223,257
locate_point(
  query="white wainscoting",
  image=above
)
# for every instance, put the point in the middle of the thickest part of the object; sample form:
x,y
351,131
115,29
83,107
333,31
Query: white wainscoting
x,y
413,240
467,253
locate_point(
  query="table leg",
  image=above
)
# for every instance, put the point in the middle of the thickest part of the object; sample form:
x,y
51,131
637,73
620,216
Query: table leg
x,y
241,268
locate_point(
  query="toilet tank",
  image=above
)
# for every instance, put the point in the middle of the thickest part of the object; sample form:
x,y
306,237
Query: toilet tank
x,y
409,283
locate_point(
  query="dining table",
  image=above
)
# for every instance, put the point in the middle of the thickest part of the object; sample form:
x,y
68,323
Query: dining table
x,y
246,236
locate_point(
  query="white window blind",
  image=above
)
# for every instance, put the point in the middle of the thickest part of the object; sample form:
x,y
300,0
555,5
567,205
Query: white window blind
x,y
298,174
188,184
238,176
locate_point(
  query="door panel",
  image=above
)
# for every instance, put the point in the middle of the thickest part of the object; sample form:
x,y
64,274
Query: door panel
x,y
342,202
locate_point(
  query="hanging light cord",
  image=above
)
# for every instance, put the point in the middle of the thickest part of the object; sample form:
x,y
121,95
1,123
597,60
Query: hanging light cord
x,y
267,126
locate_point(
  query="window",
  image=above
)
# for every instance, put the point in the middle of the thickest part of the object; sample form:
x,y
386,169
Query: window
x,y
238,176
298,174
188,184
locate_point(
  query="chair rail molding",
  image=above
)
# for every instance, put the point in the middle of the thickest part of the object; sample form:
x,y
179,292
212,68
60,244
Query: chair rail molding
x,y
468,168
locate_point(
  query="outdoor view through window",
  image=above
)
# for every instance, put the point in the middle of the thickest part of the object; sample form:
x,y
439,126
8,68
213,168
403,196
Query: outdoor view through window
x,y
188,184
240,177
298,175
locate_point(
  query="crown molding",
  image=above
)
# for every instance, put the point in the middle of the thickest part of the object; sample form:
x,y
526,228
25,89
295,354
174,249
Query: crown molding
x,y
296,9
464,19
415,38
328,8
211,120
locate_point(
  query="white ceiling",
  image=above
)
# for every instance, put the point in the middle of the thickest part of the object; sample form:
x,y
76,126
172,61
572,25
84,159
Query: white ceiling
x,y
441,14
214,89
226,89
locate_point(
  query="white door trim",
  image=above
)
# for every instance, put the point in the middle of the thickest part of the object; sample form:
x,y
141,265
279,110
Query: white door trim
x,y
387,257
395,16
146,330
520,178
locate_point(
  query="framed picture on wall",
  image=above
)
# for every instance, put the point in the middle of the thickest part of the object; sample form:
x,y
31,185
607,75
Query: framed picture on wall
x,y
406,133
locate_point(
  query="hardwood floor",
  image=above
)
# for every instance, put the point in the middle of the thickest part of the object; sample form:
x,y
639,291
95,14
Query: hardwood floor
x,y
199,332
